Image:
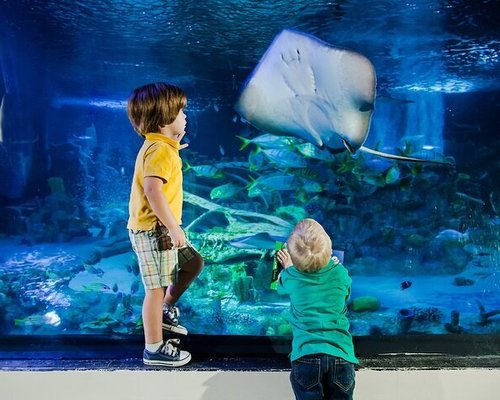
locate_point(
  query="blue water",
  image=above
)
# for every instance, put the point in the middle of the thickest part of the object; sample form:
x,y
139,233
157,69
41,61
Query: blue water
x,y
67,152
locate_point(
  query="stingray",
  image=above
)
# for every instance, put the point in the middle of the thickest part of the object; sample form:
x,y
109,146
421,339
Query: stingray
x,y
307,88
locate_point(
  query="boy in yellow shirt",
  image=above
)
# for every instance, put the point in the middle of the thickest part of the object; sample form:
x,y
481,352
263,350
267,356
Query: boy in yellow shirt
x,y
167,261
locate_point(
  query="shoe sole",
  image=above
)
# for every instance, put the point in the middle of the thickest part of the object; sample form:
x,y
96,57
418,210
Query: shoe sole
x,y
160,363
174,329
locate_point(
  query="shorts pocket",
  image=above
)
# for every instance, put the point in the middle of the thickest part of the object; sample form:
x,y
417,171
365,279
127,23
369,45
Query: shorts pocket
x,y
164,241
306,372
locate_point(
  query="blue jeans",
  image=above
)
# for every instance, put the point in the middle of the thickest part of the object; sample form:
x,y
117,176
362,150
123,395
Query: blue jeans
x,y
321,376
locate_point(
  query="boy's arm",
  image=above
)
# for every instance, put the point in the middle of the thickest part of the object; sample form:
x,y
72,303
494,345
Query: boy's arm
x,y
285,260
152,190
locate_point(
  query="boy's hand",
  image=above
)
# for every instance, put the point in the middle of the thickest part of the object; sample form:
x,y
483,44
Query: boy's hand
x,y
178,237
183,145
284,258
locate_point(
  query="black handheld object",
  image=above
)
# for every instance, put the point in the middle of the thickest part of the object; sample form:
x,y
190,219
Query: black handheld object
x,y
277,267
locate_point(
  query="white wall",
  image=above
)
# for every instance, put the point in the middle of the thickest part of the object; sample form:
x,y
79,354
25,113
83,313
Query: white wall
x,y
477,384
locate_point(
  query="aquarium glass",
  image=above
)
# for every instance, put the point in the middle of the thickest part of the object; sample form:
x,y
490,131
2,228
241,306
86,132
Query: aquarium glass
x,y
420,239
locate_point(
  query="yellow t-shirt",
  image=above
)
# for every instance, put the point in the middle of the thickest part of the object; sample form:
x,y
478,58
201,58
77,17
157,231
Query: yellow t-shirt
x,y
158,156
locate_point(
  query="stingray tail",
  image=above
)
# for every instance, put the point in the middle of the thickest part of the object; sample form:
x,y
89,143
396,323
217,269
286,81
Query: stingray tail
x,y
404,158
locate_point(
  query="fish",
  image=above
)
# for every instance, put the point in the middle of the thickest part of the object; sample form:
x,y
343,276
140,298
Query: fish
x,y
207,171
276,182
93,270
134,287
96,287
256,160
261,240
267,141
468,127
311,151
49,318
405,285
471,199
305,87
225,191
451,236
285,158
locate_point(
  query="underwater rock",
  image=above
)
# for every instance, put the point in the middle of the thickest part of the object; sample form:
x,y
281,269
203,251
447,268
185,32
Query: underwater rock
x,y
375,331
14,219
461,281
446,253
454,325
405,319
364,303
56,185
100,252
484,317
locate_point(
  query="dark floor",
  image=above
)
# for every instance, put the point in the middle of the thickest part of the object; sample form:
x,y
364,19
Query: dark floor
x,y
240,353
397,362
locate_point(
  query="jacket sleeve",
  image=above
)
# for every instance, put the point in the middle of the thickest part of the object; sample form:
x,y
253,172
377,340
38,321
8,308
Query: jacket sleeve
x,y
282,279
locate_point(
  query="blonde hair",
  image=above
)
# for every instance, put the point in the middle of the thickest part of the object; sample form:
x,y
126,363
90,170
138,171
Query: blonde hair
x,y
309,246
154,105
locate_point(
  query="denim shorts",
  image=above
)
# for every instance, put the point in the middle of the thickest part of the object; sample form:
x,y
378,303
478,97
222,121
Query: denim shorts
x,y
158,262
322,376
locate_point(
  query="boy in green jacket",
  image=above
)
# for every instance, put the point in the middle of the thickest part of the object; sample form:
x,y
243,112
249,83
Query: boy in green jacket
x,y
318,286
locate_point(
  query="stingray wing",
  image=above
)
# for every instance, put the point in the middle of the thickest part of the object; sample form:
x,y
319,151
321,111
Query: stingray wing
x,y
304,87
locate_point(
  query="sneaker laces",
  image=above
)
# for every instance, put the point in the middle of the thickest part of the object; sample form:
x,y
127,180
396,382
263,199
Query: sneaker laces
x,y
169,347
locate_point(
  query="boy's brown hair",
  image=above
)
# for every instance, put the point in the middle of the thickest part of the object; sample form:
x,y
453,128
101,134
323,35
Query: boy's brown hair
x,y
309,246
154,105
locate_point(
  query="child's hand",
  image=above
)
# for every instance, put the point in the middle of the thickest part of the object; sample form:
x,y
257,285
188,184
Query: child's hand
x,y
284,258
178,237
183,145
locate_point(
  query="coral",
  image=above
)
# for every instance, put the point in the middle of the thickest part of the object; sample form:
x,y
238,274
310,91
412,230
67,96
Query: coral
x,y
429,314
284,330
243,288
365,303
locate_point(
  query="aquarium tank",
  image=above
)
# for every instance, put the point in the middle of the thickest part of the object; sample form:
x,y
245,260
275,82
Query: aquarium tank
x,y
420,238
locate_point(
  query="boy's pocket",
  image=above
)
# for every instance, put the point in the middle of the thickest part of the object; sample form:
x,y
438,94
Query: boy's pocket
x,y
344,375
306,372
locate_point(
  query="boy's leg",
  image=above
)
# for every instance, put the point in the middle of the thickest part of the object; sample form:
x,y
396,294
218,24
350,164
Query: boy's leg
x,y
341,379
305,378
157,263
190,265
152,311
